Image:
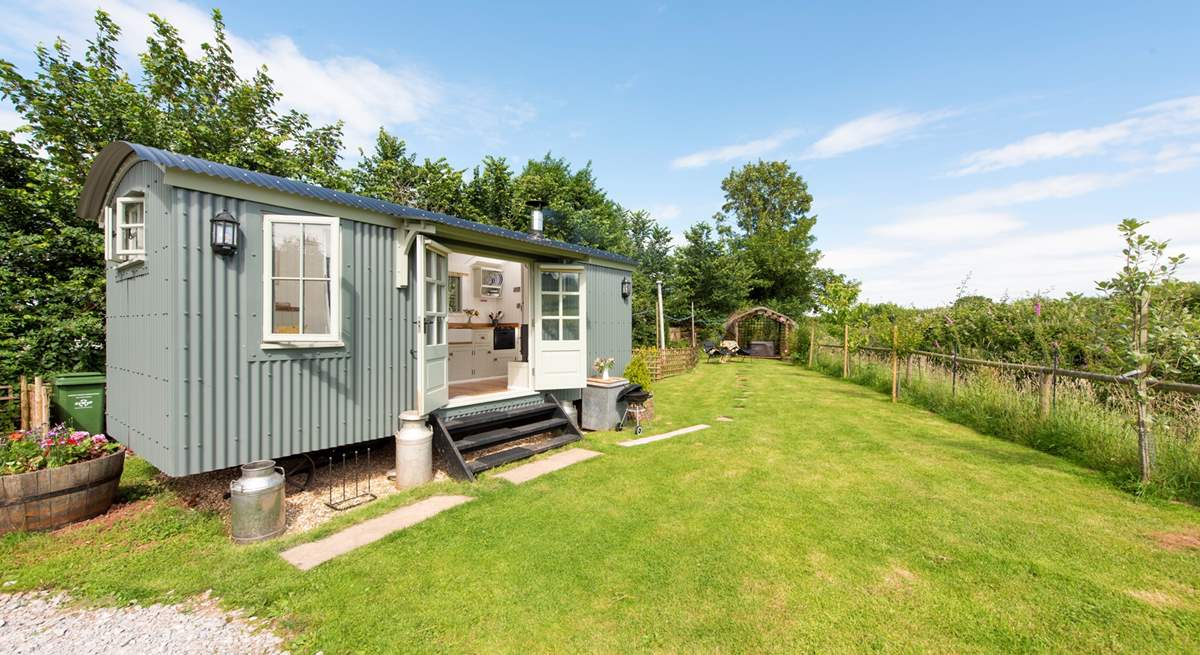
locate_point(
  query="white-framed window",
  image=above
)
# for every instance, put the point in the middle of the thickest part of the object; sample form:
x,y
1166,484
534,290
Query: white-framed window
x,y
560,305
301,294
437,277
125,229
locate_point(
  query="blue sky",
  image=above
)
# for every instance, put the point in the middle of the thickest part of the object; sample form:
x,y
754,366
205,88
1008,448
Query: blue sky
x,y
939,141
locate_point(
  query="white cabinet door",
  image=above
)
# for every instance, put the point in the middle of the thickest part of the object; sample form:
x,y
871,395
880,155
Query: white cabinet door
x,y
483,361
558,335
461,362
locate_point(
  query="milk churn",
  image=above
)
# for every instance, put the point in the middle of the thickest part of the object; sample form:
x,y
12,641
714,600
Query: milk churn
x,y
414,451
568,407
256,502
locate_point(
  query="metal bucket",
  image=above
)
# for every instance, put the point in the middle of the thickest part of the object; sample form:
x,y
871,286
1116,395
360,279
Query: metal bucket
x,y
256,502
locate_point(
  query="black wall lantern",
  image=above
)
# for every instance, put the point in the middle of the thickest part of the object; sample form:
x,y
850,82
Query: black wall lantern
x,y
224,233
626,288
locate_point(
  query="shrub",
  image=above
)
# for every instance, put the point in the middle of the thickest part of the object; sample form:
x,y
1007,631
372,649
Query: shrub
x,y
638,372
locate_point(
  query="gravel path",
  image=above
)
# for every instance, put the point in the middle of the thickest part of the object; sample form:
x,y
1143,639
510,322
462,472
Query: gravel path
x,y
39,622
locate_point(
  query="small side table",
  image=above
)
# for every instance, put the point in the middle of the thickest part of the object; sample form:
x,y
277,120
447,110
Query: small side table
x,y
601,411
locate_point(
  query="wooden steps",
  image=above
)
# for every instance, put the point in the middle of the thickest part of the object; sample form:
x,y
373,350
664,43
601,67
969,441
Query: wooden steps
x,y
503,457
474,443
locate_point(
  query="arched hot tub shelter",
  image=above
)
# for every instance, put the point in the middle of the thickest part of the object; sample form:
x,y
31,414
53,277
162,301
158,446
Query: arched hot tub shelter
x,y
762,331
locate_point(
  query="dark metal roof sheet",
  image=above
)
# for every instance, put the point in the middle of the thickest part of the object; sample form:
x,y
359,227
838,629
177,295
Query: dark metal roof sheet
x,y
113,157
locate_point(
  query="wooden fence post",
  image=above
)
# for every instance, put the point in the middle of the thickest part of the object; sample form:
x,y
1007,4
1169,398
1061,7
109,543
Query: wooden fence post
x,y
812,345
23,398
846,350
954,374
1044,404
895,364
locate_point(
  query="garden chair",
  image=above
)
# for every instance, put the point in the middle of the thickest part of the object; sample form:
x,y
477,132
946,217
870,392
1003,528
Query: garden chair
x,y
712,350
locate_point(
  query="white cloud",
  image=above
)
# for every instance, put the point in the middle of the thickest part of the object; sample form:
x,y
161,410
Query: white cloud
x,y
363,93
1173,118
872,130
1057,261
745,150
948,228
854,258
1056,187
665,212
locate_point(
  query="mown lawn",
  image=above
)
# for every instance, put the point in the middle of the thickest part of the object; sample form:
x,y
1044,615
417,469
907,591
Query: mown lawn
x,y
821,519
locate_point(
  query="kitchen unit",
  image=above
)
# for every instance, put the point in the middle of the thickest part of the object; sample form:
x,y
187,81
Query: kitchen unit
x,y
473,354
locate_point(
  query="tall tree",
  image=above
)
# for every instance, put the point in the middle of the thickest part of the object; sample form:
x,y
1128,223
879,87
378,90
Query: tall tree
x,y
579,211
651,247
389,172
710,273
490,194
768,203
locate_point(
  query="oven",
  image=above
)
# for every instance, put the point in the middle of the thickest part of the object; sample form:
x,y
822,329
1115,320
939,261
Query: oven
x,y
504,338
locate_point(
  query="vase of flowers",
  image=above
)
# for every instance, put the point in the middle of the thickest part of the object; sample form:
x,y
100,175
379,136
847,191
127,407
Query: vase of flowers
x,y
471,313
603,365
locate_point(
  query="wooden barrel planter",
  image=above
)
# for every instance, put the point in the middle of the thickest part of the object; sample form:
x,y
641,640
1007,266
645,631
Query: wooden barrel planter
x,y
53,497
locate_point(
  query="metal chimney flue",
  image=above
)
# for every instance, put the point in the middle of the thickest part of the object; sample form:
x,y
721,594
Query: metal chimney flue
x,y
536,217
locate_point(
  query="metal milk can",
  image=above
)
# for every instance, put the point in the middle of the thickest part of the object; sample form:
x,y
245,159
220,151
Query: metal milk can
x,y
414,451
256,502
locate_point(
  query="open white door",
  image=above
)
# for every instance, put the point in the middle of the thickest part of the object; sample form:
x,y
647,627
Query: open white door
x,y
433,274
558,331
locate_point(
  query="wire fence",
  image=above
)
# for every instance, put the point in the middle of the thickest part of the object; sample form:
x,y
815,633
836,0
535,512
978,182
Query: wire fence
x,y
1050,374
1090,418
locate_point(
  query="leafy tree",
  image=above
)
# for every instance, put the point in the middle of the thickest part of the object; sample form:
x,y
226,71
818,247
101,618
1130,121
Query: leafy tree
x,y
841,310
1154,321
710,272
578,210
490,194
769,205
52,276
51,297
388,173
651,247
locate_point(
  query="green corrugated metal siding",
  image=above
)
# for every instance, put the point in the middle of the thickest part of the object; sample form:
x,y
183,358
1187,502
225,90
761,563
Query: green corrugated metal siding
x,y
138,320
609,317
239,402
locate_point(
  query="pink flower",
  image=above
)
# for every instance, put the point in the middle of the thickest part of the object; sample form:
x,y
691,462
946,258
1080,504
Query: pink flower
x,y
1037,309
99,438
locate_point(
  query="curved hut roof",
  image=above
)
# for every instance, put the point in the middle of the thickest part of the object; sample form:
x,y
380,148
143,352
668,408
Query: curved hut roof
x,y
739,316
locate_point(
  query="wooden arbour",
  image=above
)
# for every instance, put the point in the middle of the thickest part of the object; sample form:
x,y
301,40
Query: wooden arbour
x,y
761,324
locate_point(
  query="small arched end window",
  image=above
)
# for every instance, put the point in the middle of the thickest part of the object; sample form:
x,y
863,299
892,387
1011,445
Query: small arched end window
x,y
125,228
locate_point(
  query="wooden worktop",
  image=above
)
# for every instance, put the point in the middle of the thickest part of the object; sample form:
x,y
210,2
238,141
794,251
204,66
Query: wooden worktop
x,y
480,326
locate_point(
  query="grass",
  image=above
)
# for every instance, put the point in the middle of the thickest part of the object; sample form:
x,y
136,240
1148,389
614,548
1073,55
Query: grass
x,y
1091,424
821,519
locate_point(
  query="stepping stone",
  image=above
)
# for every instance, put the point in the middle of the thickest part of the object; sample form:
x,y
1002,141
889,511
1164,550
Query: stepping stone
x,y
724,419
306,556
660,437
527,472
